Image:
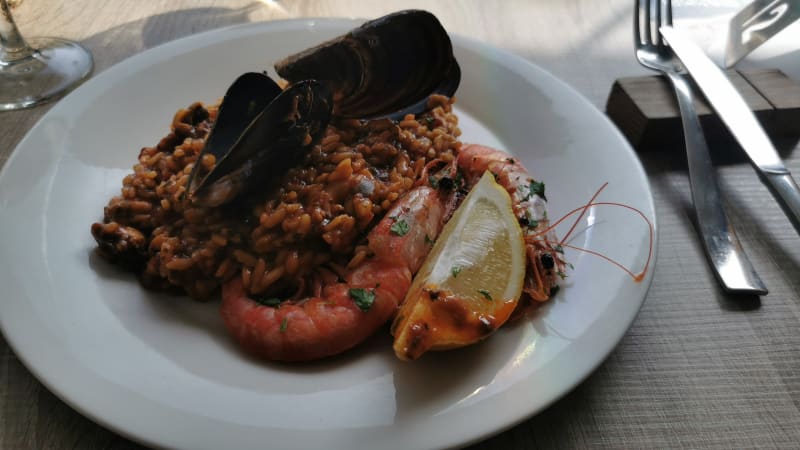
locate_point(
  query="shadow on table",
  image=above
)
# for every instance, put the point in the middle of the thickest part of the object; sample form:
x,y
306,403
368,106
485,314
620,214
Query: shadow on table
x,y
724,150
788,62
744,197
120,42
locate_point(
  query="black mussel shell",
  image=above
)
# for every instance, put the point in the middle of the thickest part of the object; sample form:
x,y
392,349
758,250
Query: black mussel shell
x,y
387,67
244,100
277,138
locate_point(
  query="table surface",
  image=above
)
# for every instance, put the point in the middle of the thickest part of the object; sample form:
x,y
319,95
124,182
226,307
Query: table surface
x,y
698,368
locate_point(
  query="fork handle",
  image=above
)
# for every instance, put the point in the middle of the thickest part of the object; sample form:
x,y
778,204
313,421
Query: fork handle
x,y
732,267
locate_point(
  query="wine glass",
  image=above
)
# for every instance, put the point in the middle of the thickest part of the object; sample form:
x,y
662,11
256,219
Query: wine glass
x,y
39,69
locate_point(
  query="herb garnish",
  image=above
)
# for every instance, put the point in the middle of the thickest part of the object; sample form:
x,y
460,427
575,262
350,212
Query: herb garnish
x,y
537,189
459,181
485,294
364,298
400,227
284,324
428,240
455,270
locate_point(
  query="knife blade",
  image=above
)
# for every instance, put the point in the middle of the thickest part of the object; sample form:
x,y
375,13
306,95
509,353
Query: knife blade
x,y
755,24
741,122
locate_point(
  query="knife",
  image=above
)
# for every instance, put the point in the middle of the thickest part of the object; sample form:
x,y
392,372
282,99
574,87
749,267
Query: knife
x,y
755,24
741,122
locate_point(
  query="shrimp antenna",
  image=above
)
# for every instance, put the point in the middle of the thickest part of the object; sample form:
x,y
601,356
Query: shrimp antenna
x,y
582,209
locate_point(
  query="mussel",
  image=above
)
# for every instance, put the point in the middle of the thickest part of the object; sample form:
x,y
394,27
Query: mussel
x,y
260,131
388,67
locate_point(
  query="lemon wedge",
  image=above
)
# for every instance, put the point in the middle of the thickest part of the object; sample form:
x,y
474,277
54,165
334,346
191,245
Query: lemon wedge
x,y
470,282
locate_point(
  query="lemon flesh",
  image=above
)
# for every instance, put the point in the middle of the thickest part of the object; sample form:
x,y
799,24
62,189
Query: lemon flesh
x,y
470,282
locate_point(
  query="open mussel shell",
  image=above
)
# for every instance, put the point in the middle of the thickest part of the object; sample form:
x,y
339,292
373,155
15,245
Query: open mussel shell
x,y
243,102
278,136
387,67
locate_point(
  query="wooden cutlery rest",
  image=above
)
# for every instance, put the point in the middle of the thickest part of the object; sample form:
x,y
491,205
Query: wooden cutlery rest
x,y
645,110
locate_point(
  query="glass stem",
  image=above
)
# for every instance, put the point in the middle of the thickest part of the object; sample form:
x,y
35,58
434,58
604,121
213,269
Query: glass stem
x,y
12,46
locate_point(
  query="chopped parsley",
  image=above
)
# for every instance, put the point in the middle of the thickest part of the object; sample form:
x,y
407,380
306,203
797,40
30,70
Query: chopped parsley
x,y
428,240
364,298
485,294
455,270
400,227
536,189
561,274
459,181
433,181
284,324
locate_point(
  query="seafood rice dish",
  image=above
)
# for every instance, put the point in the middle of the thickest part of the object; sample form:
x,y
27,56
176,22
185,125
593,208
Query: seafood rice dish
x,y
310,202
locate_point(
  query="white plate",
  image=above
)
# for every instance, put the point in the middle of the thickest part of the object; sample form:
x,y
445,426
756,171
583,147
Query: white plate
x,y
160,369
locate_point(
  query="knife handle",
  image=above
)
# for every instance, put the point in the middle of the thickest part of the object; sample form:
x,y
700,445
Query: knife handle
x,y
786,192
733,269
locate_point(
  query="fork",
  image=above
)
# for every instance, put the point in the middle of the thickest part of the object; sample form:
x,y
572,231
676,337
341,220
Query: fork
x,y
732,267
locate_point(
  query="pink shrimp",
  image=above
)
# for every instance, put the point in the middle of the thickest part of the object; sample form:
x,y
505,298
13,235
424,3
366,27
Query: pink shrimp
x,y
345,312
528,198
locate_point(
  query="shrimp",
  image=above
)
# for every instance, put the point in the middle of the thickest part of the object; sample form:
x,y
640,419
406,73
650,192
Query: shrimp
x,y
345,311
545,262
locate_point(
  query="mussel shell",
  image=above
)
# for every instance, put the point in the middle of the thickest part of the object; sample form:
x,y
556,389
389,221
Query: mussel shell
x,y
279,136
387,67
243,102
